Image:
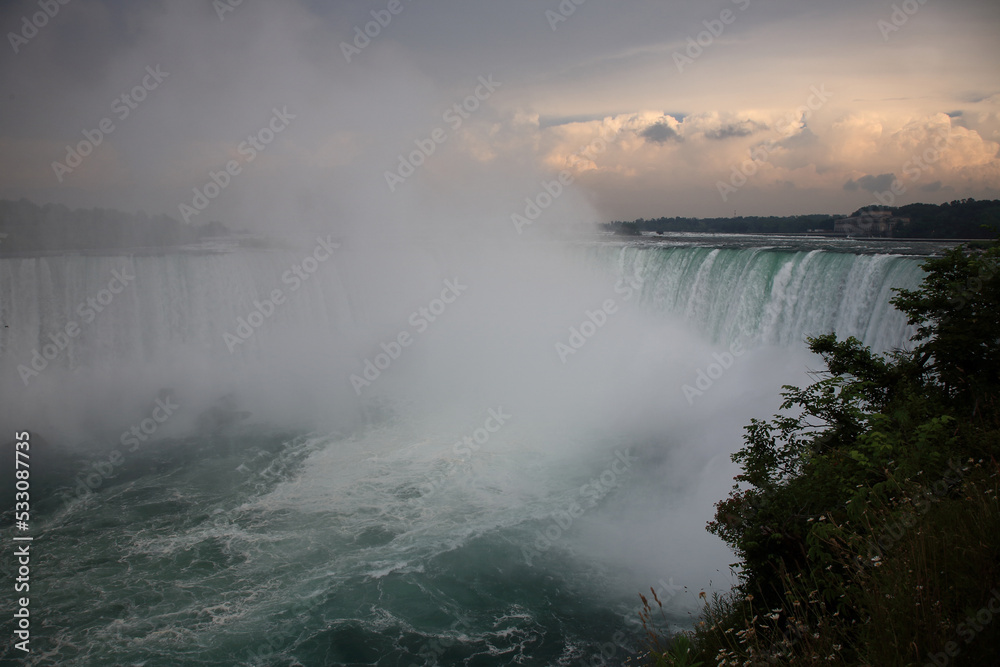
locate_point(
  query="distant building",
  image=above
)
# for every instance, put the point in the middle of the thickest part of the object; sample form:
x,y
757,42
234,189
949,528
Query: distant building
x,y
870,223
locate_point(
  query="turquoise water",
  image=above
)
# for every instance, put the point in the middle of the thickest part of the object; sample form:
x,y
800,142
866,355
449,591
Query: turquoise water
x,y
279,518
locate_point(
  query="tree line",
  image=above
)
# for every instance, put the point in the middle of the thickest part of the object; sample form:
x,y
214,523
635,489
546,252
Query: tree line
x,y
959,219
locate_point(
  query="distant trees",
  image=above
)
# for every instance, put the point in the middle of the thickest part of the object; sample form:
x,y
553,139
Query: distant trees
x,y
960,219
738,225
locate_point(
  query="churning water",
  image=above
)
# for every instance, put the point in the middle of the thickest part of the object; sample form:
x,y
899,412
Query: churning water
x,y
397,455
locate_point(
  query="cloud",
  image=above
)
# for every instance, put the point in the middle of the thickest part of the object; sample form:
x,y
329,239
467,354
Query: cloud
x,y
871,183
801,139
567,102
740,129
660,133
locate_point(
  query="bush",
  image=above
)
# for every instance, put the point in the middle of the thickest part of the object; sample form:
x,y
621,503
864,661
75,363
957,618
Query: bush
x,y
867,525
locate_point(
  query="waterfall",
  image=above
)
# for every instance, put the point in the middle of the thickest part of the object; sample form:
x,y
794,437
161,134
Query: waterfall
x,y
191,301
775,297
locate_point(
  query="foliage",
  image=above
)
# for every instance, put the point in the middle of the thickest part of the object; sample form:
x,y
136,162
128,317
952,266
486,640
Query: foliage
x,y
679,651
962,219
959,322
872,496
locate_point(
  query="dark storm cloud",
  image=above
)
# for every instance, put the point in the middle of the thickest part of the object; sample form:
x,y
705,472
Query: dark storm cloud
x,y
976,98
871,183
659,133
741,129
801,139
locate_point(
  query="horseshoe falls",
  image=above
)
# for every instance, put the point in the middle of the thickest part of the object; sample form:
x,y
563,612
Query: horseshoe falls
x,y
397,454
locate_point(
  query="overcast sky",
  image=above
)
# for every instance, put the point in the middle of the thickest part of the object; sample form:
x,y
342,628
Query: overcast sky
x,y
648,106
